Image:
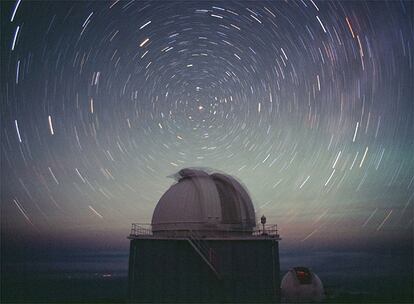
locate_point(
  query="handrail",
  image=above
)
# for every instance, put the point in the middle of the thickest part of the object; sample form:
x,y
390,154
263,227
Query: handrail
x,y
143,229
204,251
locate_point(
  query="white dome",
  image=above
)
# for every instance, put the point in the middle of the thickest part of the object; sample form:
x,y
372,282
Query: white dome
x,y
204,202
300,284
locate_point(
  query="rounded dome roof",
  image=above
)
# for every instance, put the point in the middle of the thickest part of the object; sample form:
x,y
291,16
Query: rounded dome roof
x,y
300,284
203,202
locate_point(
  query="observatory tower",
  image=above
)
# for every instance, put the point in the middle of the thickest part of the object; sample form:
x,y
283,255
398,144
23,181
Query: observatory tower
x,y
203,246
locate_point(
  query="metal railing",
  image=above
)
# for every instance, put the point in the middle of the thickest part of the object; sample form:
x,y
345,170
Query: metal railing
x,y
206,252
141,229
270,230
144,230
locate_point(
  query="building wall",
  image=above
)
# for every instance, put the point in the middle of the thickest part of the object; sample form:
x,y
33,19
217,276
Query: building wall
x,y
172,271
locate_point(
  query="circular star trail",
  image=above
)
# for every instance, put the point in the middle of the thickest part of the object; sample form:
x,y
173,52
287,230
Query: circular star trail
x,y
309,104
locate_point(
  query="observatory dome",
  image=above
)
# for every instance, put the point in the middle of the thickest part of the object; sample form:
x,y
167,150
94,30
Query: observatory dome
x,y
208,203
301,285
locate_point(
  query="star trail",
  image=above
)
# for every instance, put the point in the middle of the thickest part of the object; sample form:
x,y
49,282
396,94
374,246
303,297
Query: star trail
x,y
308,103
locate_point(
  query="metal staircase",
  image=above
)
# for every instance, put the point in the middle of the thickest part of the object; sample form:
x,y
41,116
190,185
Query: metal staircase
x,y
204,251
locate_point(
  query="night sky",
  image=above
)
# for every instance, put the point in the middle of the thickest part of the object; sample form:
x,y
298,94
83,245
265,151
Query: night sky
x,y
309,104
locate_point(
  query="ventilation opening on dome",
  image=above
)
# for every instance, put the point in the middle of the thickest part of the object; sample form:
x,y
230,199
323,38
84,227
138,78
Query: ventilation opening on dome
x,y
230,209
304,275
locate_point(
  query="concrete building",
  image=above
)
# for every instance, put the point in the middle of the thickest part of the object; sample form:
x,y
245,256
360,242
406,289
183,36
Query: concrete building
x,y
203,245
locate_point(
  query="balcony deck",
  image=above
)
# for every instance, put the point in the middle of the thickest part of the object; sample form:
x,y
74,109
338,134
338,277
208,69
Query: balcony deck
x,y
145,231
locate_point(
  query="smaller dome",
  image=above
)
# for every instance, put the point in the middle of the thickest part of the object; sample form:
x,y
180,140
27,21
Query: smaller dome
x,y
301,285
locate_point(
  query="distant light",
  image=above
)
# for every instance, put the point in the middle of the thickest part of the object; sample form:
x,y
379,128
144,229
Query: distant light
x,y
15,10
144,42
15,38
51,125
17,130
95,212
145,25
